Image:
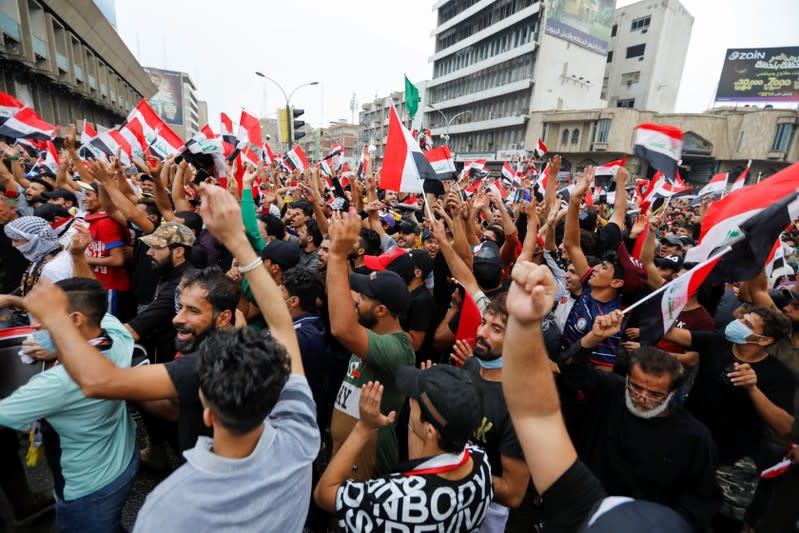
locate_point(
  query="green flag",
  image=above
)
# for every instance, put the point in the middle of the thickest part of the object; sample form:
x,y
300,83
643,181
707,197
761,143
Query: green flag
x,y
411,97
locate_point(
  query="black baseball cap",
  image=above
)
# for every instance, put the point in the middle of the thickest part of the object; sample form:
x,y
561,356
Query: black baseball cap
x,y
50,211
625,514
672,240
673,262
408,227
385,286
284,254
61,193
451,400
394,259
422,261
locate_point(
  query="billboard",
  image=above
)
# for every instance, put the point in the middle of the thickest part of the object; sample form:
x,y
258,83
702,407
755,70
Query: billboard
x,y
168,101
586,23
760,75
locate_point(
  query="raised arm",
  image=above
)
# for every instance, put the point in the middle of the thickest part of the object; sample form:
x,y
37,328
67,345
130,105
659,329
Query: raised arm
x,y
119,201
161,196
222,217
344,234
178,192
550,194
571,233
620,205
527,379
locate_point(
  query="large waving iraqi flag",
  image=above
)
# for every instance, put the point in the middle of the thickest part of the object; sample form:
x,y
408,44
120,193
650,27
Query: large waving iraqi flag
x,y
661,146
404,164
27,124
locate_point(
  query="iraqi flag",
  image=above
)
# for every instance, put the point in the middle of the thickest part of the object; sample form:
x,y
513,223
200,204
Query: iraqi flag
x,y
49,158
470,318
661,308
610,169
660,146
229,140
296,158
161,141
8,107
25,123
269,155
740,181
404,164
776,258
442,162
722,222
363,163
206,143
249,139
472,168
497,188
508,173
540,149
111,141
716,185
87,135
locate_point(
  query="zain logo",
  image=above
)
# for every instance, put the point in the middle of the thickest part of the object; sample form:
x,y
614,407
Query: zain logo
x,y
747,55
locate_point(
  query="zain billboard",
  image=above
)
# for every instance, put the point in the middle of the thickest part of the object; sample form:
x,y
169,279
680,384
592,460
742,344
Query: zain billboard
x,y
586,23
760,75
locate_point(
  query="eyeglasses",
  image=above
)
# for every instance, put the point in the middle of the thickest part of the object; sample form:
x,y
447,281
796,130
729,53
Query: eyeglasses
x,y
645,394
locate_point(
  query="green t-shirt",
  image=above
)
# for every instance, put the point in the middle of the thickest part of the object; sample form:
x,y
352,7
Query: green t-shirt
x,y
97,436
386,354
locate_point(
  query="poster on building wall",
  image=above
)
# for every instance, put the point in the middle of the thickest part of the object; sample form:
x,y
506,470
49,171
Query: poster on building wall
x,y
168,100
586,23
760,75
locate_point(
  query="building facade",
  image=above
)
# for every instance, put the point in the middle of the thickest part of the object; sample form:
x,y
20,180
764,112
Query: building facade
x,y
373,117
718,140
495,60
65,60
649,42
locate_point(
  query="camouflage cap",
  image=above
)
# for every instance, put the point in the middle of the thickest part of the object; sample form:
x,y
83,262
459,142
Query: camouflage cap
x,y
169,234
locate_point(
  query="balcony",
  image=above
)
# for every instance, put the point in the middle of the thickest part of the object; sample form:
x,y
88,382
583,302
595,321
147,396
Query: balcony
x,y
485,94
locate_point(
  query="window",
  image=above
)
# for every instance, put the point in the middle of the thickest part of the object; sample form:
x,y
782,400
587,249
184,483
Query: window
x,y
564,137
782,138
626,102
610,56
640,23
613,30
628,78
602,130
575,136
635,51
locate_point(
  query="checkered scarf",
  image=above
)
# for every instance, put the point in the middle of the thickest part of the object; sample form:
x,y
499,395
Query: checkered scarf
x,y
40,236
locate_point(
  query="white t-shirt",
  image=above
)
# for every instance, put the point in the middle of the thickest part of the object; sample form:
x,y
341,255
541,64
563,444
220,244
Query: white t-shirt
x,y
60,267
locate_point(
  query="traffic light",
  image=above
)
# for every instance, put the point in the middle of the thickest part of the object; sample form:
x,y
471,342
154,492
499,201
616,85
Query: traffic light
x,y
283,125
297,124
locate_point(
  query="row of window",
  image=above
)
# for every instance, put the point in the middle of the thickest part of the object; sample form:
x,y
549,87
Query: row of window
x,y
482,20
488,141
507,105
564,136
517,35
453,8
67,54
639,24
782,137
518,68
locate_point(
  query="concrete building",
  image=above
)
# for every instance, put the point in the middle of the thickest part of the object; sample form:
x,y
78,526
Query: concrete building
x,y
66,61
495,60
202,113
718,140
649,42
343,133
373,117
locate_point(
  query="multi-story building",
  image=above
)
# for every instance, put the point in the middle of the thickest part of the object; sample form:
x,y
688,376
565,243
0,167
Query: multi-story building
x,y
495,60
718,140
648,45
373,117
175,100
202,114
66,61
343,133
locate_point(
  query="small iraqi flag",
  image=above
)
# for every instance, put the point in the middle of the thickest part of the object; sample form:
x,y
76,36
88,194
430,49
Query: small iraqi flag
x,y
26,123
716,185
660,146
404,164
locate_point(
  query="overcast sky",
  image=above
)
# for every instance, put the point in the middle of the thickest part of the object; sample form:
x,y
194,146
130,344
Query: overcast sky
x,y
364,47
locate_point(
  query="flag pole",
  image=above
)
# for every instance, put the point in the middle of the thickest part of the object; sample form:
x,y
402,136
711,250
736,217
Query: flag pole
x,y
666,285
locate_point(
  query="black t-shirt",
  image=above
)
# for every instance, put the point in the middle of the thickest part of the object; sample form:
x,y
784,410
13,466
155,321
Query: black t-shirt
x,y
728,410
420,312
495,434
570,501
12,264
144,275
183,373
669,459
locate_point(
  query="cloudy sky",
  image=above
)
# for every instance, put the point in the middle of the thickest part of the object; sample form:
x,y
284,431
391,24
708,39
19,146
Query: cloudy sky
x,y
364,47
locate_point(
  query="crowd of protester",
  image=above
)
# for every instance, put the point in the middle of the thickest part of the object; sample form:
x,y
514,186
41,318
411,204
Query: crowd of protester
x,y
302,345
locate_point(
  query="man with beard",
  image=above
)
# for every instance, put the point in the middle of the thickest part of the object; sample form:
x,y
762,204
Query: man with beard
x,y
207,301
495,433
168,249
369,327
634,438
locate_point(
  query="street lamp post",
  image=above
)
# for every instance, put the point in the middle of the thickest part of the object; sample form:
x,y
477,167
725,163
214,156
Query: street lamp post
x,y
448,121
288,96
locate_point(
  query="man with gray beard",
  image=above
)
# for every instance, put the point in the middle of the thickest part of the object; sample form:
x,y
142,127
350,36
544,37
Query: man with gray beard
x,y
633,437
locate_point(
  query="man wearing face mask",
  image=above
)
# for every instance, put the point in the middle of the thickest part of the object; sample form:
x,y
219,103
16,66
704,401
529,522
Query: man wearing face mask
x,y
35,239
635,440
495,433
740,393
98,461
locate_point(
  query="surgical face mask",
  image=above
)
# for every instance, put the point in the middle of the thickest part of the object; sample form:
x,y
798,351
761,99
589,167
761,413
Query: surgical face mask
x,y
646,413
737,332
42,338
493,363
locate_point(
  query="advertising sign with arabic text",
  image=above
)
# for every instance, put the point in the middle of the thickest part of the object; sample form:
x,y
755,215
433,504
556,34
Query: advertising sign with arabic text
x,y
586,23
760,75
